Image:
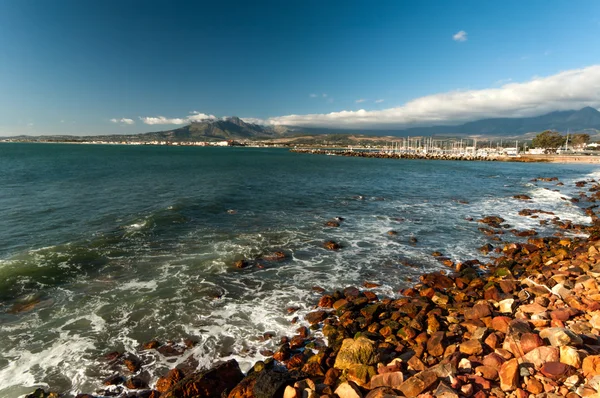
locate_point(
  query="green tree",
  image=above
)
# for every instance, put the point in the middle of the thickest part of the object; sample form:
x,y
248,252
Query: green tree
x,y
548,140
579,140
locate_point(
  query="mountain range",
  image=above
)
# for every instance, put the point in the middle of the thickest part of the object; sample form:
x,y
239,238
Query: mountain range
x,y
233,128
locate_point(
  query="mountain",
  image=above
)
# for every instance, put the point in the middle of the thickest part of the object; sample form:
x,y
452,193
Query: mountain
x,y
584,119
231,128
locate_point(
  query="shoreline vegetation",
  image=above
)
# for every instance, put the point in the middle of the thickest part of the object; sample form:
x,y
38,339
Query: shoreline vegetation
x,y
524,324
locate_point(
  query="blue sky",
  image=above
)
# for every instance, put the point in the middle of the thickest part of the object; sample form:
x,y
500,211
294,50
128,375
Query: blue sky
x,y
73,66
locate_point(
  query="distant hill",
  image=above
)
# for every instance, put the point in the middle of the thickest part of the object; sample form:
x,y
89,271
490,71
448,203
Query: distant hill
x,y
584,119
231,128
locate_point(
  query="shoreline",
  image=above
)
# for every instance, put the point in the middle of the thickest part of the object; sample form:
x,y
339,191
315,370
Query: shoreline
x,y
527,322
584,159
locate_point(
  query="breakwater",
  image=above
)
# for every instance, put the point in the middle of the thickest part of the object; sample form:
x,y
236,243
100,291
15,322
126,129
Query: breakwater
x,y
401,155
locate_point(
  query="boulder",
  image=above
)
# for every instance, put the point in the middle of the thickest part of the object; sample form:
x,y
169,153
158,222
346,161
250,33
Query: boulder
x,y
541,355
390,379
173,377
359,351
209,383
560,337
591,366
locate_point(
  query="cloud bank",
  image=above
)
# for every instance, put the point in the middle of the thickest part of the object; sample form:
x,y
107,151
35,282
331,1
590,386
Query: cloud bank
x,y
122,120
572,89
192,117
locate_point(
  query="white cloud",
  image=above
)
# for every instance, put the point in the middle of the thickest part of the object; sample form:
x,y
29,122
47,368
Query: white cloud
x,y
358,101
192,117
571,89
502,82
460,36
122,120
313,96
324,95
379,101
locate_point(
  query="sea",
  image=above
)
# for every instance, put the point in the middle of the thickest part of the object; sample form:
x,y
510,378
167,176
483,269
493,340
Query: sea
x,y
106,247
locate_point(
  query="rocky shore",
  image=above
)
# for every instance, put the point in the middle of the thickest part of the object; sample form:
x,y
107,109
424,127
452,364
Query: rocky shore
x,y
525,324
525,158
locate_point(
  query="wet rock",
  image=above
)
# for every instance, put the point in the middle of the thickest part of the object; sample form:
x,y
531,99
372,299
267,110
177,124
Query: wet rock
x,y
173,377
316,317
522,197
113,380
241,264
331,245
135,383
40,393
332,224
208,383
151,345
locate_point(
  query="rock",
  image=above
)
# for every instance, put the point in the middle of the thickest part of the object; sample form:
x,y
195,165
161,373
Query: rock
x,y
595,319
560,337
151,345
444,391
209,383
478,311
435,344
522,197
570,356
528,342
348,390
534,386
556,370
332,223
591,366
541,355
40,393
135,383
289,392
113,380
241,264
359,351
506,306
382,392
419,383
331,245
471,347
316,316
173,377
245,388
487,372
390,379
133,364
509,375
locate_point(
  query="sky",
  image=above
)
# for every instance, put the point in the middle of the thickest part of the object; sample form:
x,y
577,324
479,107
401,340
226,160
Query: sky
x,y
120,67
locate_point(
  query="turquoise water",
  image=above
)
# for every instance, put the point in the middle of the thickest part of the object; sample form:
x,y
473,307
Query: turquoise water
x,y
103,248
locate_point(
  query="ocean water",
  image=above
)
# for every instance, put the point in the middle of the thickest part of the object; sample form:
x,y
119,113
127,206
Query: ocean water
x,y
103,248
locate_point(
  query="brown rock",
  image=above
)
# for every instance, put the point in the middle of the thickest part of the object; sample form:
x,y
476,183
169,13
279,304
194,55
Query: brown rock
x,y
534,386
570,356
591,366
332,376
435,344
207,384
556,370
151,345
331,245
390,379
316,316
326,301
348,390
529,341
419,383
478,311
173,377
471,347
487,372
509,375
541,355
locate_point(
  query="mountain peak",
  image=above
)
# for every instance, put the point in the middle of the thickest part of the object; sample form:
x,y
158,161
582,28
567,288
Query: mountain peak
x,y
235,120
